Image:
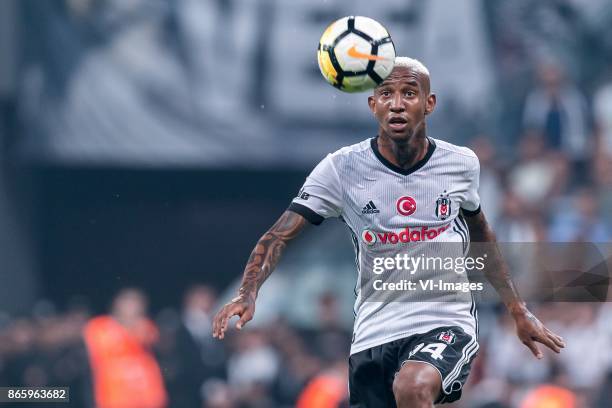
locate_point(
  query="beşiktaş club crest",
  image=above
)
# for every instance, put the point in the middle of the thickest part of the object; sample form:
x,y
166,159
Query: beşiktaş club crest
x,y
443,206
447,336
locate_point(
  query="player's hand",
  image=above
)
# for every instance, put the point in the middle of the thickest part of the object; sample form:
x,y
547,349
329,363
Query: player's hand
x,y
531,331
242,306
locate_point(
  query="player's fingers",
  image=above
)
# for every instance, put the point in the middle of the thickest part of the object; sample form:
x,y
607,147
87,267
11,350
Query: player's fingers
x,y
223,326
544,338
531,345
231,311
558,340
246,317
220,321
217,323
547,340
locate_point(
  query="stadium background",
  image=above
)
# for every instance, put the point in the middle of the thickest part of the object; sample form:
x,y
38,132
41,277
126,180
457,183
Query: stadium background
x,y
147,144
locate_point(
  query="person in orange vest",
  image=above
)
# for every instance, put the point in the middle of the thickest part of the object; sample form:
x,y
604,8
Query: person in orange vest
x,y
125,372
550,396
327,390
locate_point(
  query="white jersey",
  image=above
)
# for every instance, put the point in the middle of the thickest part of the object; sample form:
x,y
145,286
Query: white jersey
x,y
390,210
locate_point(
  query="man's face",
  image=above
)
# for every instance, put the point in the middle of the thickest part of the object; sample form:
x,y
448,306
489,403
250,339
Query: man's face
x,y
401,103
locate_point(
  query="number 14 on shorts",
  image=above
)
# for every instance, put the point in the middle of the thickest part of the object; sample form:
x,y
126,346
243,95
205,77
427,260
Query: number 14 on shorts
x,y
435,349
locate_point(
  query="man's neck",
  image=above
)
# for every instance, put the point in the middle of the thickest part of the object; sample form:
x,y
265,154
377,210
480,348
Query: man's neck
x,y
403,155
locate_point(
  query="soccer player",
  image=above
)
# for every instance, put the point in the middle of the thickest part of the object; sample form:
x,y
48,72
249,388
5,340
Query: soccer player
x,y
395,190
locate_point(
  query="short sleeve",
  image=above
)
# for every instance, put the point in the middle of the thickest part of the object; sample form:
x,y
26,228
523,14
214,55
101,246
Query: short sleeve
x,y
471,204
321,195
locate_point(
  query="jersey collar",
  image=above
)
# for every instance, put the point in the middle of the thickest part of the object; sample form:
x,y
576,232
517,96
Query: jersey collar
x,y
430,149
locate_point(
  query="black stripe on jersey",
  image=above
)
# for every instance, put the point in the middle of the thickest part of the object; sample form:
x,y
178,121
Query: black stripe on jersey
x,y
474,312
465,227
469,213
462,237
356,248
463,230
307,213
460,223
464,224
459,230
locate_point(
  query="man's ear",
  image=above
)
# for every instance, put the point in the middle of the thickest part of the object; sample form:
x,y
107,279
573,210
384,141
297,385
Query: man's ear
x,y
372,103
430,104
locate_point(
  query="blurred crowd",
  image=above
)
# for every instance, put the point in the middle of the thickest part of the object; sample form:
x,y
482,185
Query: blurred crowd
x,y
279,364
558,183
274,366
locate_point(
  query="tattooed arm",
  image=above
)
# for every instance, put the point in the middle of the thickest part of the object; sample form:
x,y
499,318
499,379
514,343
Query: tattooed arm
x,y
260,265
528,328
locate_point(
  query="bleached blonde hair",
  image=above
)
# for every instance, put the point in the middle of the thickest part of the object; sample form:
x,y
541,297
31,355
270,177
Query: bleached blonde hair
x,y
411,63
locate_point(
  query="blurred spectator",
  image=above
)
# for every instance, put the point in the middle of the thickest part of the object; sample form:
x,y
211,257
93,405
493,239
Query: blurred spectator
x,y
20,358
490,393
330,339
558,109
514,225
517,229
125,372
605,392
327,390
550,396
218,394
602,112
580,220
254,362
538,175
47,352
583,370
490,183
297,363
602,170
197,355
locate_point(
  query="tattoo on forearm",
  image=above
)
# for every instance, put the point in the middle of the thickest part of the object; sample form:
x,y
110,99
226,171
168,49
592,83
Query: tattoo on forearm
x,y
268,251
496,271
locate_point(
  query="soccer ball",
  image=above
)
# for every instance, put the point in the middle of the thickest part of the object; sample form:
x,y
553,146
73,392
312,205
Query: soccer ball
x,y
355,54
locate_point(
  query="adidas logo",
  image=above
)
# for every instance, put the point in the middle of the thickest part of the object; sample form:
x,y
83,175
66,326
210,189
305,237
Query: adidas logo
x,y
370,208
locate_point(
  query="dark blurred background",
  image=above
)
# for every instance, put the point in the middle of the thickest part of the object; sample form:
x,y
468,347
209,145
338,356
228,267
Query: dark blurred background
x,y
148,144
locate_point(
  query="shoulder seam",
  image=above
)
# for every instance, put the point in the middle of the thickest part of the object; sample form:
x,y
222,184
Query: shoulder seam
x,y
472,155
351,149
